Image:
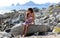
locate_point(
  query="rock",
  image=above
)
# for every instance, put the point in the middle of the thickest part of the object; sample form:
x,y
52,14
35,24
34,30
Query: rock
x,y
18,30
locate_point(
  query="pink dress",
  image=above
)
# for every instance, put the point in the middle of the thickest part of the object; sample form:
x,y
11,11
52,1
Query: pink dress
x,y
29,20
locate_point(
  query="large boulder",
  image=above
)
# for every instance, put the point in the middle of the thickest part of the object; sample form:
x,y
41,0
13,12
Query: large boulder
x,y
18,30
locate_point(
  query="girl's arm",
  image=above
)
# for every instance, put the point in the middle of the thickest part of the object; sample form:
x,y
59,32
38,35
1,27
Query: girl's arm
x,y
33,17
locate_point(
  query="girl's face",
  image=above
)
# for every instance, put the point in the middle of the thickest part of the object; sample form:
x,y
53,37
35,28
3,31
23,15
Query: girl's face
x,y
29,11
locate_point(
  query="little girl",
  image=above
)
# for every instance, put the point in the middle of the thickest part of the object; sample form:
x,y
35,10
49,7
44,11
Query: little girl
x,y
29,19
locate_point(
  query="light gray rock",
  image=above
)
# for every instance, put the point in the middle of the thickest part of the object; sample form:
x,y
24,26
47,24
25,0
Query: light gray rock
x,y
18,30
5,35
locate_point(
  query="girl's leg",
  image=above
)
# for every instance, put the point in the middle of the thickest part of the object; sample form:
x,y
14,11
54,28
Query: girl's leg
x,y
23,30
26,30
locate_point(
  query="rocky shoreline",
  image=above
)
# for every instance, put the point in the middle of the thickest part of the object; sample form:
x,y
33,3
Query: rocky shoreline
x,y
47,36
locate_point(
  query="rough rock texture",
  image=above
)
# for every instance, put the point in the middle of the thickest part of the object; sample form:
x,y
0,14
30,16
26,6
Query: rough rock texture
x,y
32,29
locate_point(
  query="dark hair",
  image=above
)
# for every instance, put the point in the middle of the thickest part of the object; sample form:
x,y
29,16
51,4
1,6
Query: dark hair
x,y
30,9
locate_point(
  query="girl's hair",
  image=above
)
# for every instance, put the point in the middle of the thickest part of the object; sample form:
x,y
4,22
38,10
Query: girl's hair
x,y
30,9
